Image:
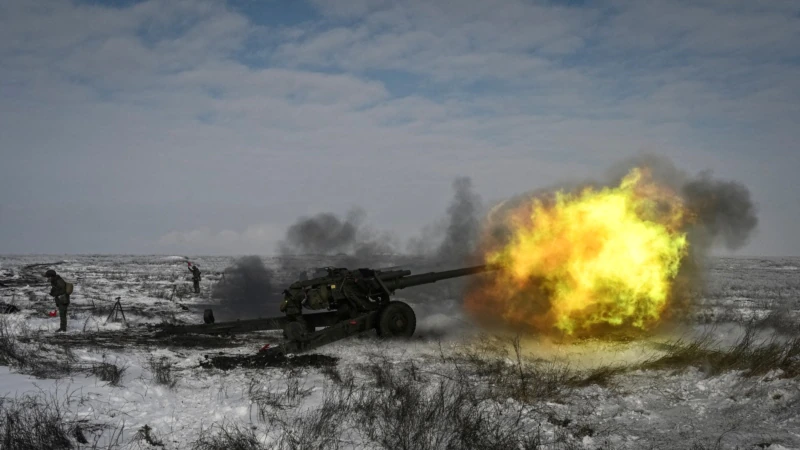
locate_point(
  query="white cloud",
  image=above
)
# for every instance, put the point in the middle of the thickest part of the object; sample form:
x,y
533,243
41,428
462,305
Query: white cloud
x,y
350,8
417,36
712,27
129,106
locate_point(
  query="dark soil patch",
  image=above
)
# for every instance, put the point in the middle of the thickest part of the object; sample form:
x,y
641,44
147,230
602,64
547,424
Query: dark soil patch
x,y
201,341
136,338
6,308
263,359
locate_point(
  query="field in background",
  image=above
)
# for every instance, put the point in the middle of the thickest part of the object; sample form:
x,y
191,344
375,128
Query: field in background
x,y
727,378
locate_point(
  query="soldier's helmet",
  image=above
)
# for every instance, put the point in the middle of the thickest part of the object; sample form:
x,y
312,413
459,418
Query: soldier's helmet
x,y
50,273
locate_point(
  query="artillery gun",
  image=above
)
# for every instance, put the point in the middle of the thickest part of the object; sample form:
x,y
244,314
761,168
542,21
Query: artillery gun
x,y
354,301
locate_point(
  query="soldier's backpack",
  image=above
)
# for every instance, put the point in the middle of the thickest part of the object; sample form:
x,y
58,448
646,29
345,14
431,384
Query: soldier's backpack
x,y
69,288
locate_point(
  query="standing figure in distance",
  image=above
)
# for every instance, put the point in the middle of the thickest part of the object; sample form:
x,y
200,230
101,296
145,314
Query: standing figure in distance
x,y
60,293
195,277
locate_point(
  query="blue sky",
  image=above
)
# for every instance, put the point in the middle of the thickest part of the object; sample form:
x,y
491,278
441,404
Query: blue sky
x,y
201,127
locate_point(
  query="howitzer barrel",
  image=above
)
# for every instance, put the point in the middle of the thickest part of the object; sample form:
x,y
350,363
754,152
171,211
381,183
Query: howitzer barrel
x,y
384,276
432,277
392,274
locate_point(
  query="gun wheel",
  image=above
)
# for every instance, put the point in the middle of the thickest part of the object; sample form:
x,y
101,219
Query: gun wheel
x,y
397,320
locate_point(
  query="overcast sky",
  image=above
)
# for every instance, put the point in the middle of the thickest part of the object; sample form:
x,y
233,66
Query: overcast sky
x,y
207,127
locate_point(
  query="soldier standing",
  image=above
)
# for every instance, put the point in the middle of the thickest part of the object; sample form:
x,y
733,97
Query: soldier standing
x,y
195,277
60,294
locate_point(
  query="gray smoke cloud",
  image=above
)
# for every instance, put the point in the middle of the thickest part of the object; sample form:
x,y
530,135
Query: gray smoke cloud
x,y
341,241
453,240
726,215
349,242
322,234
463,226
448,244
248,290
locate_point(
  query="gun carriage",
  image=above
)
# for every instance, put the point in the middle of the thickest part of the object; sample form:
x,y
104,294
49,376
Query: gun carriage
x,y
354,301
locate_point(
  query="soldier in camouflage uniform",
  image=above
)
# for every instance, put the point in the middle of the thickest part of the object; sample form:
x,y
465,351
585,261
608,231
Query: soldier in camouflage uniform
x,y
195,277
59,293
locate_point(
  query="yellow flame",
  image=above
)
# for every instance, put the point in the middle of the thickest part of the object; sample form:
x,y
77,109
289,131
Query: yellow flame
x,y
602,258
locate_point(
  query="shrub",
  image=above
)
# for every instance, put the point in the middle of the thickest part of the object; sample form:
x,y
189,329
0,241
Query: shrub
x,y
33,422
746,354
108,372
227,437
161,368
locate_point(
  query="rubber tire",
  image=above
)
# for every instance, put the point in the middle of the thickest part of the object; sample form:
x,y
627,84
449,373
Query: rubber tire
x,y
397,319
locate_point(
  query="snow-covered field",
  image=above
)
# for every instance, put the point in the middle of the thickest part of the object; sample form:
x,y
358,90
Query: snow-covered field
x,y
452,386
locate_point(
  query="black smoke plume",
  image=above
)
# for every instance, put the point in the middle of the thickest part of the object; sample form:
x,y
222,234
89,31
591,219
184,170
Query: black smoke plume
x,y
344,242
463,226
322,234
248,290
453,240
448,244
725,213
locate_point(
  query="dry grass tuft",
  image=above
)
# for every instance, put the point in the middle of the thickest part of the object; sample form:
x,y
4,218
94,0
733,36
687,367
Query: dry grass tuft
x,y
748,355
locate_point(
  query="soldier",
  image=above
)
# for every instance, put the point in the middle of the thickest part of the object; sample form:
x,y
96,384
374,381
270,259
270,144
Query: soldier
x,y
195,277
60,293
288,305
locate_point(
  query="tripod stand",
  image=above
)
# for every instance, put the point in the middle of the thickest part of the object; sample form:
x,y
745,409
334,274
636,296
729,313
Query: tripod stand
x,y
116,311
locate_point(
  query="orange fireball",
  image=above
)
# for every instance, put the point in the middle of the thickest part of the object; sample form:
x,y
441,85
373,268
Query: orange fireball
x,y
579,263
